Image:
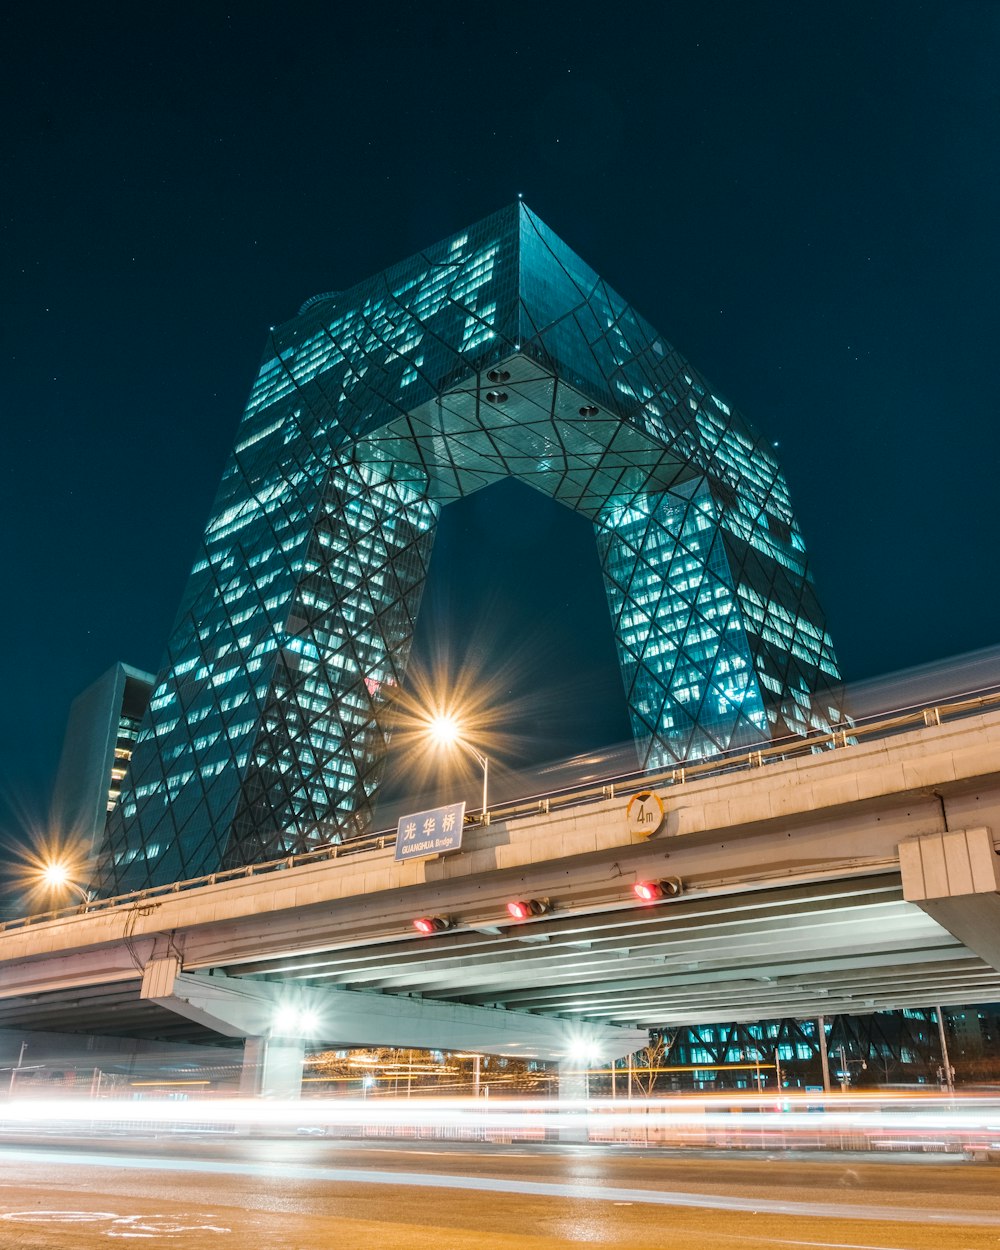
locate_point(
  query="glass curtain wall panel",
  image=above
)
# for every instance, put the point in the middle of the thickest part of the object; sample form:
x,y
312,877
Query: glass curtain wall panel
x,y
495,353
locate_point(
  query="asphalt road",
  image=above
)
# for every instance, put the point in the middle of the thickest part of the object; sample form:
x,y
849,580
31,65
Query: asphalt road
x,y
317,1194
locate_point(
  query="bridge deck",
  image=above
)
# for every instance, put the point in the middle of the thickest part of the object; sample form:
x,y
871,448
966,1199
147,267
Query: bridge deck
x,y
792,904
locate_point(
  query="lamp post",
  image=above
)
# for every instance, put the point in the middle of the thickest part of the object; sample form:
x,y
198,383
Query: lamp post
x,y
947,1071
14,1071
446,731
845,1067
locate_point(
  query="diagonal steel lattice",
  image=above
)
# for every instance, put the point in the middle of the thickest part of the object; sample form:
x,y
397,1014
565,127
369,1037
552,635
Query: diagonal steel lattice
x,y
496,353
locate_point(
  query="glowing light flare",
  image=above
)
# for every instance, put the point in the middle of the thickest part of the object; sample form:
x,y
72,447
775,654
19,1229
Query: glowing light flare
x,y
50,867
444,730
292,1021
465,695
56,875
584,1049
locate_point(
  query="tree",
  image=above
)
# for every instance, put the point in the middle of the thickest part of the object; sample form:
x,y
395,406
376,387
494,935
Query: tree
x,y
648,1063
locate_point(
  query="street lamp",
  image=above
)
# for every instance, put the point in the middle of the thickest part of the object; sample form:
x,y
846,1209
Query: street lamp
x,y
55,876
14,1071
446,731
845,1067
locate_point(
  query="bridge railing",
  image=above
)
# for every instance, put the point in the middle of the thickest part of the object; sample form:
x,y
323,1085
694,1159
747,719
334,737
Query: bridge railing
x,y
849,734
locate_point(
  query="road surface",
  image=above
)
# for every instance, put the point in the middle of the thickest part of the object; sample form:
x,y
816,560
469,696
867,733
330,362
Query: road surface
x,y
196,1193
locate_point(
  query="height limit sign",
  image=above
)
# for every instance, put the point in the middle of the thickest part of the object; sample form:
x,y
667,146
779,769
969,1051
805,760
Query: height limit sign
x,y
644,813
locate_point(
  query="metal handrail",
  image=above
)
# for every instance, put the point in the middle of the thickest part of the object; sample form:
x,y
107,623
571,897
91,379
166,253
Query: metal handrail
x,y
678,774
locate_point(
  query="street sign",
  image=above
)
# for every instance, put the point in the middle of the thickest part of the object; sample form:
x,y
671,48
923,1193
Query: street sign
x,y
644,813
430,833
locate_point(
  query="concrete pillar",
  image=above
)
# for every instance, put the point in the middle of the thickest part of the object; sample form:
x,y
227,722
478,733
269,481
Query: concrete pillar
x,y
272,1067
573,1087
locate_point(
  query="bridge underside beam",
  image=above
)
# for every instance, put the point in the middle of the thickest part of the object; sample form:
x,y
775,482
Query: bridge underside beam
x,y
955,878
241,1007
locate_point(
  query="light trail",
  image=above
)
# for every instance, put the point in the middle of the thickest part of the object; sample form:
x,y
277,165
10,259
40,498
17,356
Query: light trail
x,y
787,1121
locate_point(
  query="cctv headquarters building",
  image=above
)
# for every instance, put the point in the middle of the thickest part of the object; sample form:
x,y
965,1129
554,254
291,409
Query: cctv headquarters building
x,y
495,353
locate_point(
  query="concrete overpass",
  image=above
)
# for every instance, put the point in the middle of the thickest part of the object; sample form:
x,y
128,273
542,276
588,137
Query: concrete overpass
x,y
846,874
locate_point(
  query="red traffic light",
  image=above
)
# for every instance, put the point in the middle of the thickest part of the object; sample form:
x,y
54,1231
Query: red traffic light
x,y
650,891
647,890
431,924
521,908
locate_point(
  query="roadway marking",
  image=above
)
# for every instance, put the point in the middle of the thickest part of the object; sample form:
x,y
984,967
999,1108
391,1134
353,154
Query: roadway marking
x,y
544,1189
118,1225
165,1226
838,1245
744,1238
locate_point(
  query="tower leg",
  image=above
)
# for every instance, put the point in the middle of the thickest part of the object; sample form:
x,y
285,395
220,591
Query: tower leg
x,y
685,659
317,763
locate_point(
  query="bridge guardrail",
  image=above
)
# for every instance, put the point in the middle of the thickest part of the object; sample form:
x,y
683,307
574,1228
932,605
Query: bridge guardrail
x,y
845,735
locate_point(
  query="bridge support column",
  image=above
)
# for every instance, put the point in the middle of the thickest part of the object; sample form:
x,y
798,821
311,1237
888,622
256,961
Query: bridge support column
x,y
573,1091
272,1067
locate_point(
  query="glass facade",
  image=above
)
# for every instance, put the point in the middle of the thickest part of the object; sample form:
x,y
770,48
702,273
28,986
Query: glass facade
x,y
101,733
495,353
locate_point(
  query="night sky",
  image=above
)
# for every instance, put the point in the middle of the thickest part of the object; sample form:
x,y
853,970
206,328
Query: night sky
x,y
802,197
